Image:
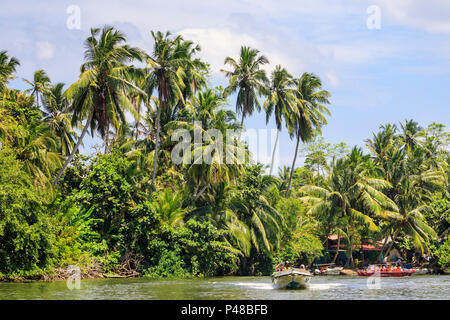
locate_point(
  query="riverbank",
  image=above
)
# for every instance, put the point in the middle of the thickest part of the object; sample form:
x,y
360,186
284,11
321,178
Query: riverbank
x,y
96,272
62,273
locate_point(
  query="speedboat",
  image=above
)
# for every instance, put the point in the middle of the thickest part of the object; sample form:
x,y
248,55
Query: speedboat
x,y
293,278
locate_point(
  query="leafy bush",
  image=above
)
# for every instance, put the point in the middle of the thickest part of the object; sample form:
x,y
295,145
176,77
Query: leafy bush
x,y
26,248
443,253
108,191
202,240
196,249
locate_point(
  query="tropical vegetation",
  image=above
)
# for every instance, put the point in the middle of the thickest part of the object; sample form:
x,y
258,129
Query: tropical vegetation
x,y
128,208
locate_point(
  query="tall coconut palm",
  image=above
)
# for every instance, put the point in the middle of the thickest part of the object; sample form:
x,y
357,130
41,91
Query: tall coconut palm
x,y
8,66
381,146
411,134
166,68
248,79
140,100
55,112
39,85
37,150
309,117
100,92
195,71
280,100
208,116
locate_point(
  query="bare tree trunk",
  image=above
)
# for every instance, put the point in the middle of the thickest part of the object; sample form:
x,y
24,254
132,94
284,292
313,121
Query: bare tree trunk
x,y
293,165
350,261
337,248
75,149
393,240
106,141
326,245
273,153
382,248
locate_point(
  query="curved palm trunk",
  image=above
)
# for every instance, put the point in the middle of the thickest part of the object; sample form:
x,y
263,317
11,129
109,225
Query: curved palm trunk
x,y
293,165
273,153
198,194
155,158
243,113
138,121
75,149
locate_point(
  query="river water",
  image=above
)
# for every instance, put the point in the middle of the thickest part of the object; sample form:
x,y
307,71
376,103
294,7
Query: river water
x,y
328,288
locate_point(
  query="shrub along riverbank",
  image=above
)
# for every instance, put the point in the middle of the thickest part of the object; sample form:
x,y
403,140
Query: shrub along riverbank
x,y
130,210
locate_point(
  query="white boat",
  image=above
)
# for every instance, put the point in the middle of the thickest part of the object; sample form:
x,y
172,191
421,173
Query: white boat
x,y
291,279
333,271
329,271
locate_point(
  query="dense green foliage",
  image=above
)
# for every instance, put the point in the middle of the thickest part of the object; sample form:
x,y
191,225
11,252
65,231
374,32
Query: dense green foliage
x,y
130,209
25,245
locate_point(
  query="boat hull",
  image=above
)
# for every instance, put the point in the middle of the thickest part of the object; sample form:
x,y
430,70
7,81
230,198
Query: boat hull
x,y
291,279
384,274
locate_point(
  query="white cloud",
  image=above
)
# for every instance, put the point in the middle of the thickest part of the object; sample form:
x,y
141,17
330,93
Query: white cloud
x,y
430,15
44,50
217,44
334,80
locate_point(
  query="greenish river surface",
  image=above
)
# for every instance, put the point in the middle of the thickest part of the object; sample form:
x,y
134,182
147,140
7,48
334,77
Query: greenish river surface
x,y
329,288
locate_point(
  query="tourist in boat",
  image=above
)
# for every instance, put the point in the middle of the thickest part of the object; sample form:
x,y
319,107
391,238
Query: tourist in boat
x,y
280,267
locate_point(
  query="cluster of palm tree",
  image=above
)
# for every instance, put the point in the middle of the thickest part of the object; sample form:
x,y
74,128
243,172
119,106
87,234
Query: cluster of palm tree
x,y
300,103
415,173
110,86
384,194
43,134
163,91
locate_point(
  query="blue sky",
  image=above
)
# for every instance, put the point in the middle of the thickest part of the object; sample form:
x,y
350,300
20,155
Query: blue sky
x,y
400,71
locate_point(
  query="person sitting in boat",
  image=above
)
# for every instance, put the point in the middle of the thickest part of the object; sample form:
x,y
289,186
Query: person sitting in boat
x,y
302,267
280,267
287,264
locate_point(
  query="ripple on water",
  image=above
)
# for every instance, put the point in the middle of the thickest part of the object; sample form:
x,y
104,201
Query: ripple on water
x,y
253,285
324,286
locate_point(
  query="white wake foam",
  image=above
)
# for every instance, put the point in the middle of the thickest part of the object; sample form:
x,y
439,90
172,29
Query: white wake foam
x,y
324,286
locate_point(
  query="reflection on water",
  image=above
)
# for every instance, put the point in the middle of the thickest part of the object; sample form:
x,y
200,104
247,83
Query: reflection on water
x,y
329,288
